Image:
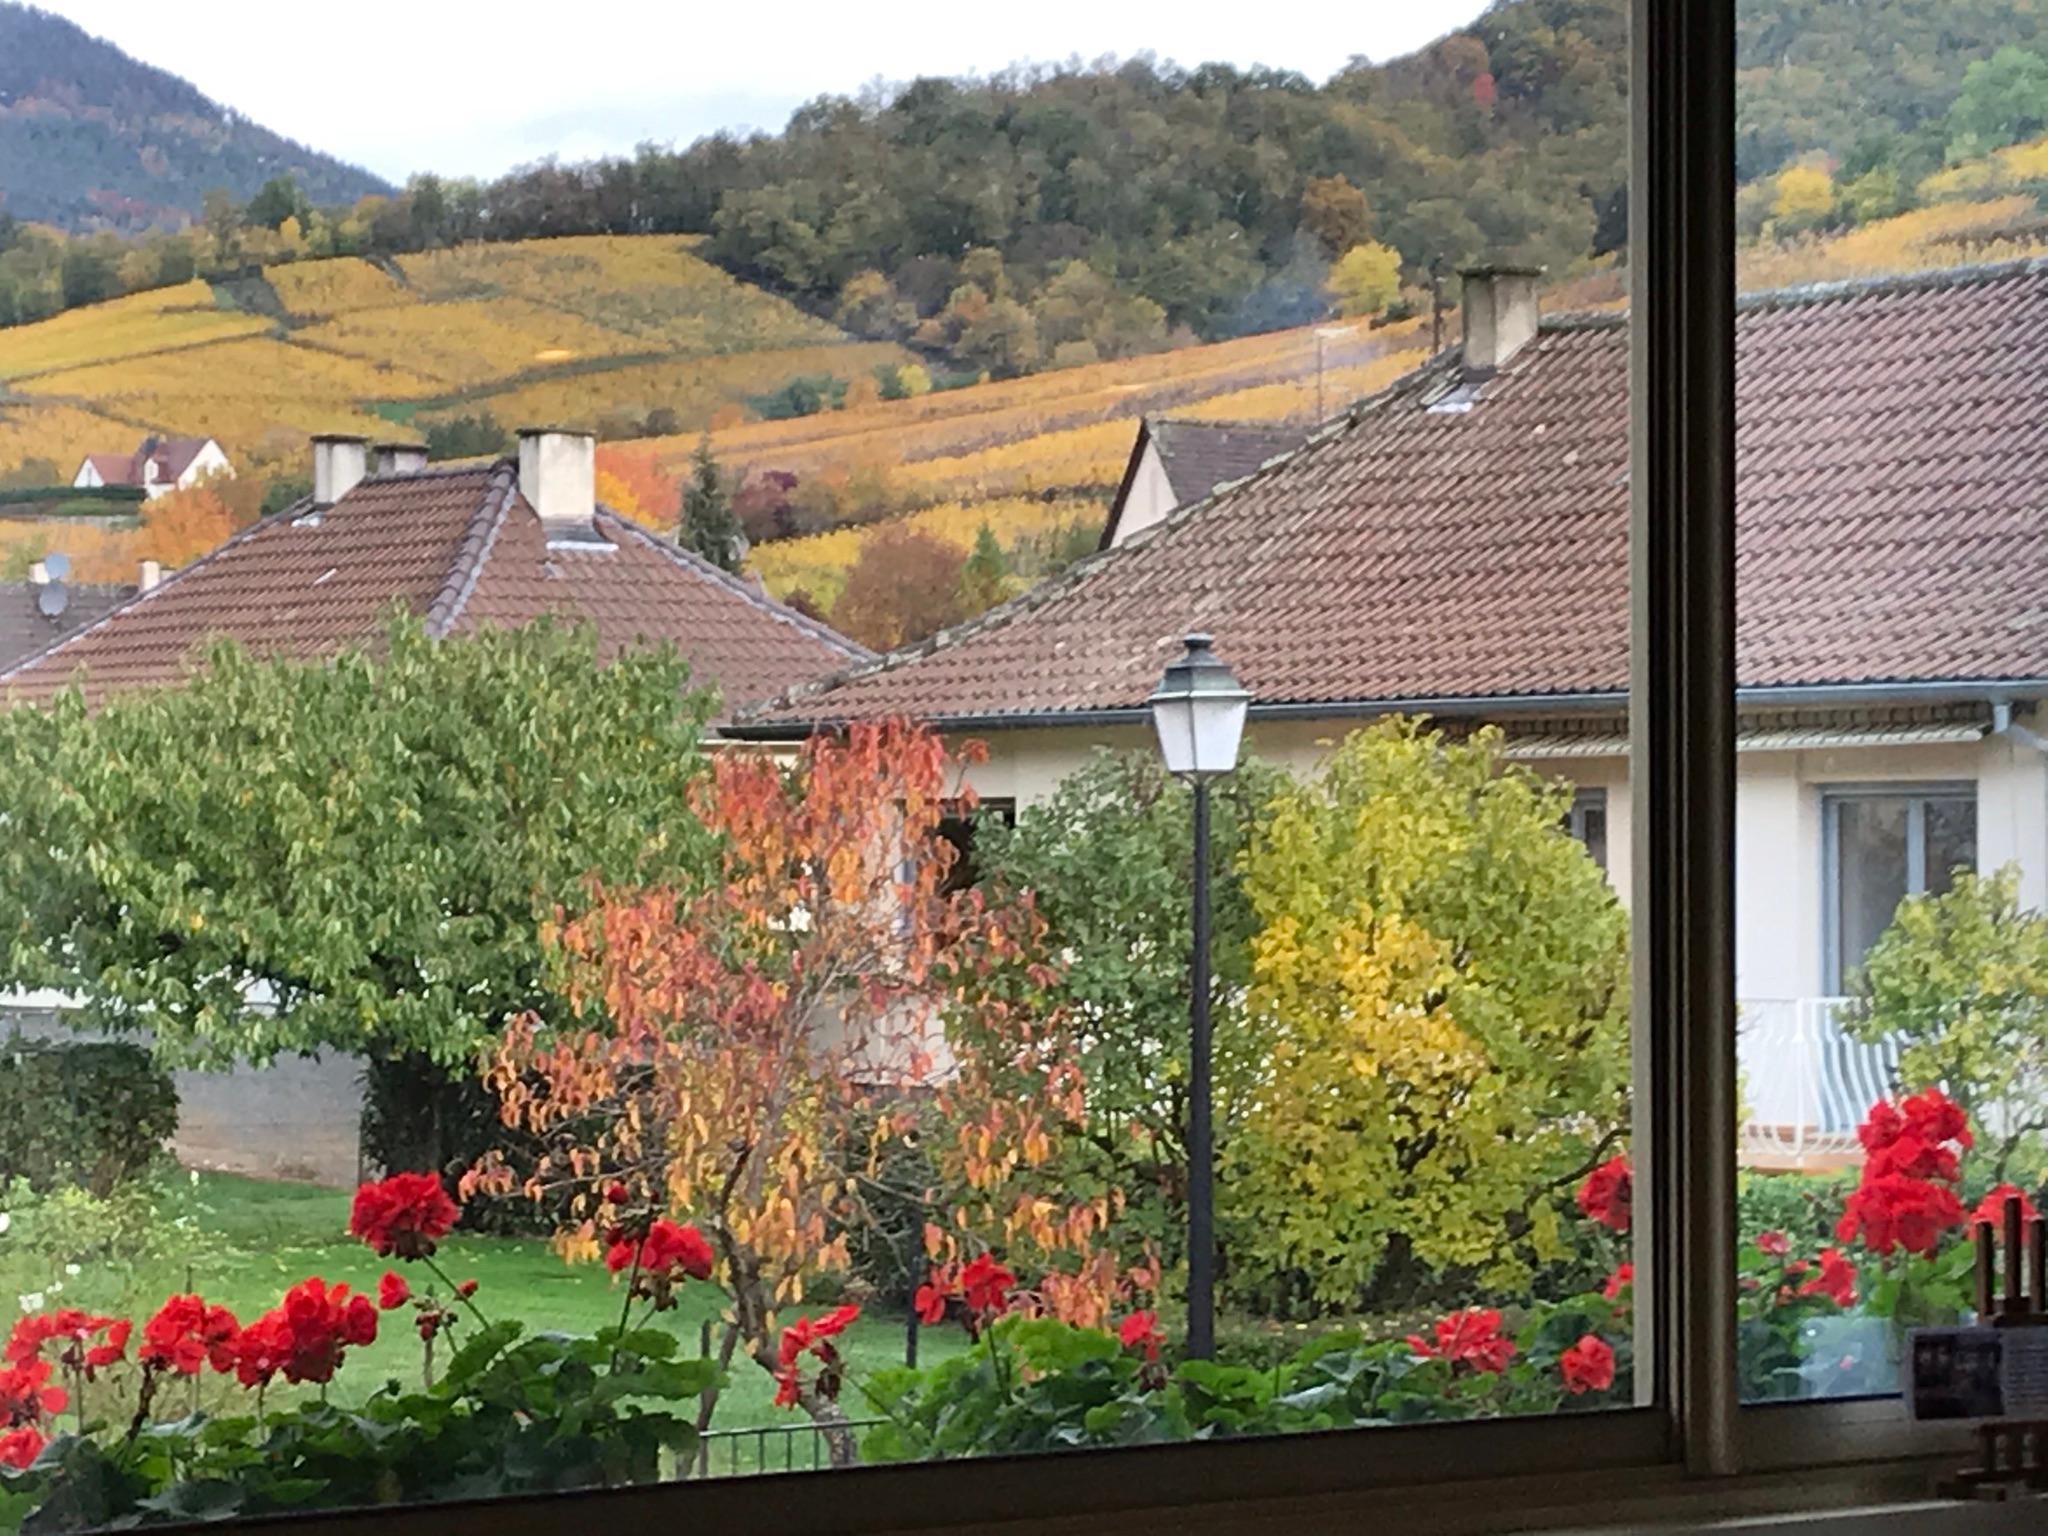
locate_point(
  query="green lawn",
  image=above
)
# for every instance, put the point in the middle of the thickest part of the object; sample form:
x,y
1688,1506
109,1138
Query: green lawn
x,y
255,1238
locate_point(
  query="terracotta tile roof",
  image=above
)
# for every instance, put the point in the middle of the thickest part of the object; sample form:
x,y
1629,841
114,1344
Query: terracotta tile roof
x,y
1198,456
1892,449
462,548
25,629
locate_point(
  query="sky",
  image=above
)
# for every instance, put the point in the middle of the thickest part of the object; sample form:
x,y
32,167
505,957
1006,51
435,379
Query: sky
x,y
467,88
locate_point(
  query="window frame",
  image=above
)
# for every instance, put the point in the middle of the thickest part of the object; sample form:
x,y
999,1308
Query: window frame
x,y
1916,793
1585,804
1690,1423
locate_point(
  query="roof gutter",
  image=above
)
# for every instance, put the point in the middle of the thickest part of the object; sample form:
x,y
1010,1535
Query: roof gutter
x,y
1810,695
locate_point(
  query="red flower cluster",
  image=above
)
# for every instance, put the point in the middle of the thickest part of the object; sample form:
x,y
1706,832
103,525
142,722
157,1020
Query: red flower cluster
x,y
1776,1244
26,1394
1588,1366
660,1260
392,1292
1835,1277
1907,1196
983,1285
1471,1338
1619,1282
810,1335
305,1338
1141,1331
406,1215
1607,1194
85,1342
20,1447
187,1334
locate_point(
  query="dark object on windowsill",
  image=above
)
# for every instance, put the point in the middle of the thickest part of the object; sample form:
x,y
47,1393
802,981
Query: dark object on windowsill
x,y
2015,1455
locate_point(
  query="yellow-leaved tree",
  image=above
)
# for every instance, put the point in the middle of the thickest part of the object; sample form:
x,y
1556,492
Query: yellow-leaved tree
x,y
1365,279
1440,973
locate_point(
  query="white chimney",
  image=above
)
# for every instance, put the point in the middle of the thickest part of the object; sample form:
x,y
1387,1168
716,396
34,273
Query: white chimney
x,y
1500,313
339,464
398,459
558,478
151,573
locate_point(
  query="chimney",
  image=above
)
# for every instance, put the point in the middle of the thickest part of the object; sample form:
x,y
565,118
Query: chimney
x,y
398,459
339,464
1500,313
558,478
151,573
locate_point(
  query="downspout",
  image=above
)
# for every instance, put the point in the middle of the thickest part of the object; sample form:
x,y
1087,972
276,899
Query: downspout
x,y
2003,724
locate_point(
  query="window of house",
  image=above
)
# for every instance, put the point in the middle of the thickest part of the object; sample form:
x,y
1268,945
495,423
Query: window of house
x,y
1587,821
1881,846
958,829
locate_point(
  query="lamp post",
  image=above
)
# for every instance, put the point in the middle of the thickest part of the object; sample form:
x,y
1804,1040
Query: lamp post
x,y
1198,710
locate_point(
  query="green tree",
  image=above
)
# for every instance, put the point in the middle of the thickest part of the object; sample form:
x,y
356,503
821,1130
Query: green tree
x,y
2004,100
1439,988
358,853
1366,279
1106,860
88,274
1960,980
710,527
278,199
985,579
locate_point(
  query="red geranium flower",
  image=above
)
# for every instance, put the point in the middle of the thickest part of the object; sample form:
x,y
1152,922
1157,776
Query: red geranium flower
x,y
187,1334
20,1447
406,1214
306,1337
666,1250
938,1289
86,1342
1776,1244
1836,1280
812,1335
26,1394
1606,1194
392,1291
1893,1211
1619,1281
986,1284
1471,1337
1588,1366
1141,1331
1992,1207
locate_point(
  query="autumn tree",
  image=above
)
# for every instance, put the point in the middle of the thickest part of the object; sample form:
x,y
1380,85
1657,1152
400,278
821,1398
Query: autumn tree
x,y
755,1046
904,585
353,853
1335,213
1960,981
710,528
1439,981
1804,198
985,578
1365,280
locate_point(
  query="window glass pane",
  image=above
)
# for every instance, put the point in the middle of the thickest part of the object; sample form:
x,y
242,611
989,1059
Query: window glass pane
x,y
666,944
1891,846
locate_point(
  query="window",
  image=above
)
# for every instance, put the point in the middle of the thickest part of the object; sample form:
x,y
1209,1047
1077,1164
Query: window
x,y
958,829
1883,845
1587,821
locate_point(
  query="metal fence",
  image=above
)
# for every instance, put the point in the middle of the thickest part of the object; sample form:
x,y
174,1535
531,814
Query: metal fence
x,y
1805,1084
798,1447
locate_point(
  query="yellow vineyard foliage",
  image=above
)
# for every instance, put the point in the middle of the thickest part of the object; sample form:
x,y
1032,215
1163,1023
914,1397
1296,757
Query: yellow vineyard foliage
x,y
57,433
136,326
1940,235
314,289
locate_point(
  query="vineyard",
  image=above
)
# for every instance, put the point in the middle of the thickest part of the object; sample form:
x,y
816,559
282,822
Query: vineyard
x,y
577,330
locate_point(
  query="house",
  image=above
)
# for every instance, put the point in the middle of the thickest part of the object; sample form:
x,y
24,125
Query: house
x,y
31,619
1457,546
1175,461
158,465
464,547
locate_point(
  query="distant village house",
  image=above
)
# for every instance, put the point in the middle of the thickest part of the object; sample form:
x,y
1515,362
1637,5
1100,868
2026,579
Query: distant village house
x,y
158,465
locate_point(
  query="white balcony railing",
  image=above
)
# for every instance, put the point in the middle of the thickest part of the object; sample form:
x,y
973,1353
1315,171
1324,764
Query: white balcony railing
x,y
1806,1085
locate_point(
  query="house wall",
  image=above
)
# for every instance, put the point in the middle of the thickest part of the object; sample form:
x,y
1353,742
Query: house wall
x,y
1779,878
88,475
1149,499
210,460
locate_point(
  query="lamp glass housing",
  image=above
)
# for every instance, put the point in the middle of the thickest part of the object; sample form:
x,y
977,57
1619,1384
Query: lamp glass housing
x,y
1199,712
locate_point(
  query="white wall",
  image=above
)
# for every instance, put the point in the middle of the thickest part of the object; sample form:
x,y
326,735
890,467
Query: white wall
x,y
1150,497
88,475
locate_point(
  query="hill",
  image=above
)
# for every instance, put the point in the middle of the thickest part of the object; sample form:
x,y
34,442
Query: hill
x,y
90,137
619,333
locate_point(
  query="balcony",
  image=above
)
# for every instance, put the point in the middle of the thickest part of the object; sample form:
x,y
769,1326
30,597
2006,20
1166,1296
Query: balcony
x,y
1805,1084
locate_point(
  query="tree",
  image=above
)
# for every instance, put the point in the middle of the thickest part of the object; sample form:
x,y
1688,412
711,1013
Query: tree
x,y
1104,862
277,200
1335,213
1960,980
356,853
1366,279
770,1039
88,274
903,586
1805,197
1439,985
2004,100
985,578
709,526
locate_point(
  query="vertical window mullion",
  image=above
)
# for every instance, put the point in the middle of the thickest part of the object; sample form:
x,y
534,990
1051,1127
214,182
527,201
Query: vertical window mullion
x,y
1916,844
1682,701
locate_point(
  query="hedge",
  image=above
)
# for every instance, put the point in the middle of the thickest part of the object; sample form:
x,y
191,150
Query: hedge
x,y
90,1113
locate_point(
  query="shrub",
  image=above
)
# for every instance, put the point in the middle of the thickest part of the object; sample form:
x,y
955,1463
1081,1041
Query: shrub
x,y
88,1113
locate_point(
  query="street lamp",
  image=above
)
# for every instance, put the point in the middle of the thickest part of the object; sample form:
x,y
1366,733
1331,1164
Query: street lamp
x,y
1198,710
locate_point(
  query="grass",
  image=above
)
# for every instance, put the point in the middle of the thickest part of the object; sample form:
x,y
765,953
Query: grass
x,y
251,1239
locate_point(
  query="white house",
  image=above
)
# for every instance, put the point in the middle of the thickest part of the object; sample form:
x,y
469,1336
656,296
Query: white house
x,y
1176,460
158,465
1457,546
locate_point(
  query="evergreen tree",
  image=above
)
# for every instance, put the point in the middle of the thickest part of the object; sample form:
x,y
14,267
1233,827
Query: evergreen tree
x,y
709,527
985,577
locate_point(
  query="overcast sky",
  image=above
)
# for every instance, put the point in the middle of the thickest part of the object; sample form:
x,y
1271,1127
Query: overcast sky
x,y
469,88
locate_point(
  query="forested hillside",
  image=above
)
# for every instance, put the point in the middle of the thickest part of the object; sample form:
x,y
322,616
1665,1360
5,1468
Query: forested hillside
x,y
89,135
